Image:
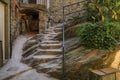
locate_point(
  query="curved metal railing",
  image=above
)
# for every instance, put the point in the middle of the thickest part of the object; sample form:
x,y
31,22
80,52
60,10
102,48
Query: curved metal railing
x,y
68,12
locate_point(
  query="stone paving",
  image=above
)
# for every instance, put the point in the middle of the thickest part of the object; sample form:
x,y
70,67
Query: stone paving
x,y
50,48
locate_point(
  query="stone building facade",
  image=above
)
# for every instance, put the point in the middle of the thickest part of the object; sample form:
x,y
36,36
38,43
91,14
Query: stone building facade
x,y
48,11
36,12
56,8
19,16
51,11
15,19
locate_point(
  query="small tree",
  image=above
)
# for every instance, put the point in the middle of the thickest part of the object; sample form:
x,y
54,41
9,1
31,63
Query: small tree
x,y
101,10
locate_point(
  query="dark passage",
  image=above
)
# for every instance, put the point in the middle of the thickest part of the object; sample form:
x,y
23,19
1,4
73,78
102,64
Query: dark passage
x,y
30,20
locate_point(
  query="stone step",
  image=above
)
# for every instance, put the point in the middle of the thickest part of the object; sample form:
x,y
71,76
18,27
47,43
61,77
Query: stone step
x,y
59,25
53,33
47,39
58,29
51,27
50,65
50,46
46,35
50,42
43,57
29,51
48,32
49,51
49,36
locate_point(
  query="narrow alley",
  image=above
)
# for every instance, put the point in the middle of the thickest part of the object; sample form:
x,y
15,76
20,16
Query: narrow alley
x,y
15,70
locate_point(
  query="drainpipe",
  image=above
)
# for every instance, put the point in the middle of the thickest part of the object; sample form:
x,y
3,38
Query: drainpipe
x,y
63,45
63,41
10,30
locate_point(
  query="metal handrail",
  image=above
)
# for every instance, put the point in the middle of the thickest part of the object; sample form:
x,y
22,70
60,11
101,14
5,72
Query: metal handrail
x,y
66,11
63,30
74,12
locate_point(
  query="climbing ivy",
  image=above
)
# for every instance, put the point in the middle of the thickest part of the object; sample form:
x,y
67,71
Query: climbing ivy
x,y
103,35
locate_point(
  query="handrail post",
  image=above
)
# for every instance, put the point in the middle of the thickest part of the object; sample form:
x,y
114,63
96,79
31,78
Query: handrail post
x,y
63,45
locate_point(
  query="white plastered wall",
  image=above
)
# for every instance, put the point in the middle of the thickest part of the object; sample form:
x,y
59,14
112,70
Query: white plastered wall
x,y
2,26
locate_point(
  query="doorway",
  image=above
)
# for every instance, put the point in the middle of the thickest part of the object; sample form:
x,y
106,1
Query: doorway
x,y
34,22
31,20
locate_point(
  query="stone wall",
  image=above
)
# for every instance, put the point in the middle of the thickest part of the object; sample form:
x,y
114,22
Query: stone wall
x,y
15,17
54,13
56,9
36,8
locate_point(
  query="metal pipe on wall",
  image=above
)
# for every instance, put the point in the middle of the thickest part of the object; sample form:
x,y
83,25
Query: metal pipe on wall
x,y
63,42
10,29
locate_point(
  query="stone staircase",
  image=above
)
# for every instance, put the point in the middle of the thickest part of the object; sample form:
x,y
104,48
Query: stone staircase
x,y
50,49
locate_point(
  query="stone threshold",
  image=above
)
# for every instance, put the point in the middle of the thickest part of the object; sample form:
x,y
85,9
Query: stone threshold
x,y
16,74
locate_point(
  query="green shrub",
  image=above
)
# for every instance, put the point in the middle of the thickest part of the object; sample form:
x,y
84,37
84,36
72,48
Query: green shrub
x,y
103,35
